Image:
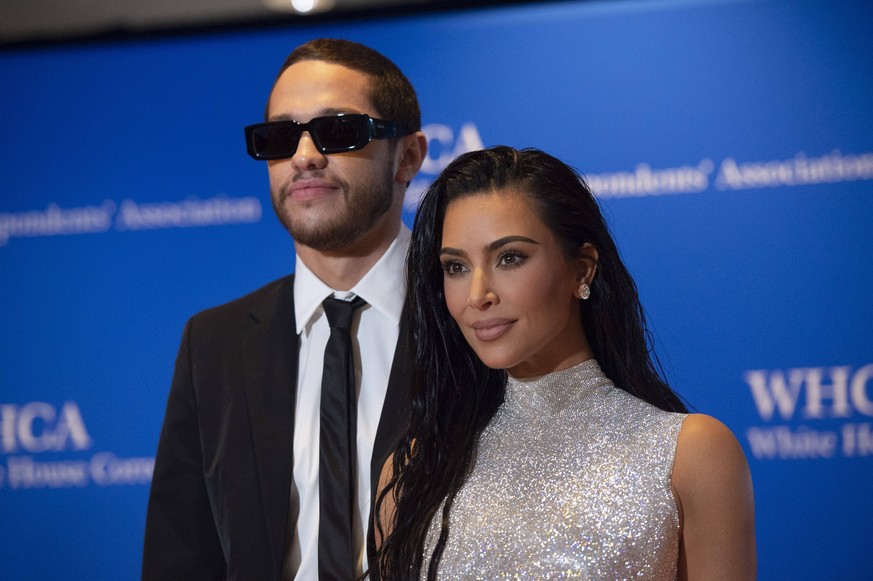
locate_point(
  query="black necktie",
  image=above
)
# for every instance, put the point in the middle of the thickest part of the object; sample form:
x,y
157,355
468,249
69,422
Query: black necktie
x,y
336,473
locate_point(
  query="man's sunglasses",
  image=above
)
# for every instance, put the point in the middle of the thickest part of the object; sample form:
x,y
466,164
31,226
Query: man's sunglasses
x,y
330,134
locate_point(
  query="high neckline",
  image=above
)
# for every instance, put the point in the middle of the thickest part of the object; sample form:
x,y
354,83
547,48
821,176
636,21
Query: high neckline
x,y
554,392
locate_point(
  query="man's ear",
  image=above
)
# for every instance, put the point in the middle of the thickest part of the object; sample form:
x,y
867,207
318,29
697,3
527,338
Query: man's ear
x,y
411,151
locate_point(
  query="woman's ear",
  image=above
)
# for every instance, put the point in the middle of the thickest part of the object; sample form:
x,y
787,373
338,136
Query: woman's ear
x,y
586,264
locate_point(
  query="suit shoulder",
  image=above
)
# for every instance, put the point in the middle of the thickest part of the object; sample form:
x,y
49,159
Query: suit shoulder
x,y
243,309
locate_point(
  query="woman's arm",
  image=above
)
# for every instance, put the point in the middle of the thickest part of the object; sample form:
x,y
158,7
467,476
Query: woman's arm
x,y
713,489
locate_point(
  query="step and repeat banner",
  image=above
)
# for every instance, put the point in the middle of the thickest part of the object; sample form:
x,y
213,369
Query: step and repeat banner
x,y
730,143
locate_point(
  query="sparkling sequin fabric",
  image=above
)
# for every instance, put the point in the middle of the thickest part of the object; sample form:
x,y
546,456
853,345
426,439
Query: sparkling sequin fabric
x,y
571,481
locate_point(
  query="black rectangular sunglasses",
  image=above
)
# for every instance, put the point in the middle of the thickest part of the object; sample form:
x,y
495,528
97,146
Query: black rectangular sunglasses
x,y
330,134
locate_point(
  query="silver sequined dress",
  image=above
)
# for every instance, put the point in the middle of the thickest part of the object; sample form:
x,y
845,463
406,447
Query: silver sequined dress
x,y
571,481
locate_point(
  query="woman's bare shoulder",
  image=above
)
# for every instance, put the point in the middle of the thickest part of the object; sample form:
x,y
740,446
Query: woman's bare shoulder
x,y
713,489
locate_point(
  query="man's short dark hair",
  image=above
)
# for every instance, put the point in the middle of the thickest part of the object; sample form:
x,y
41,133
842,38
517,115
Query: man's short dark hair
x,y
390,91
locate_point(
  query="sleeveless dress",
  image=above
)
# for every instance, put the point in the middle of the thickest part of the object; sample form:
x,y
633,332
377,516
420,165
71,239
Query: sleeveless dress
x,y
571,481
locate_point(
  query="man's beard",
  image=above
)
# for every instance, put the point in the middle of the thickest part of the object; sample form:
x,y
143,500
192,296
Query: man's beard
x,y
360,210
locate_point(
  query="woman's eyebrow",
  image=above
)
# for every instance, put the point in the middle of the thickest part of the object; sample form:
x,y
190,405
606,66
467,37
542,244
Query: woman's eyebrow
x,y
500,242
508,240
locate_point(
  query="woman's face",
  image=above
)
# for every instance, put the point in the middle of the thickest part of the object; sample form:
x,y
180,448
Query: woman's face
x,y
509,287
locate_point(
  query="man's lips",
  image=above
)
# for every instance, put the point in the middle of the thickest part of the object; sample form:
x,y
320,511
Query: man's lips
x,y
310,190
491,329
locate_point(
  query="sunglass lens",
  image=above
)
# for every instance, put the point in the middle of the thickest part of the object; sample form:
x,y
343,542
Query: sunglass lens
x,y
336,134
274,141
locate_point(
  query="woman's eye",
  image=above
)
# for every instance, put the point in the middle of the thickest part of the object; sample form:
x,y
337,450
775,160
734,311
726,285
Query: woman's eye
x,y
453,268
511,259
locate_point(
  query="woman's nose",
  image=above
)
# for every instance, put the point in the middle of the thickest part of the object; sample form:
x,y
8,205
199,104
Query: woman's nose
x,y
481,294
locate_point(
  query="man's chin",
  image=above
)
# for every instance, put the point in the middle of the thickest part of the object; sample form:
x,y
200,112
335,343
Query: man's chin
x,y
325,239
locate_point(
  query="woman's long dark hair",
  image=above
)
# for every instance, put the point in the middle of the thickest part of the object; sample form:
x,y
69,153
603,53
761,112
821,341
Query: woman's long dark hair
x,y
454,395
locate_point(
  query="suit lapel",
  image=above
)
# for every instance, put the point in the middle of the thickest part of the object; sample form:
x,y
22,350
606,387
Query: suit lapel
x,y
392,423
270,352
395,410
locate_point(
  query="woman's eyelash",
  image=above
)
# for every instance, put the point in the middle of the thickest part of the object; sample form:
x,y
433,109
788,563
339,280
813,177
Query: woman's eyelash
x,y
507,259
452,268
511,258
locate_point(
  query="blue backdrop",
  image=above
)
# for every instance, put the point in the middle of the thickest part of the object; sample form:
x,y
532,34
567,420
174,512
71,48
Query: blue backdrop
x,y
731,143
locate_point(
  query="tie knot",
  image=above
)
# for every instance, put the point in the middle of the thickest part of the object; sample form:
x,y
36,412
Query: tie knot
x,y
339,312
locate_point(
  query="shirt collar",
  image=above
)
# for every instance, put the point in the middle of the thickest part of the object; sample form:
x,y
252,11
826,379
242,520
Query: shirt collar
x,y
383,287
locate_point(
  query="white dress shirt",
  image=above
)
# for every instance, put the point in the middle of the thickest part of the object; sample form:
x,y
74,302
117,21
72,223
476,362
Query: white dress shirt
x,y
374,337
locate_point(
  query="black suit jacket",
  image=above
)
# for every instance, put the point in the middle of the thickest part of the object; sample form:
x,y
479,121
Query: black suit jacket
x,y
220,494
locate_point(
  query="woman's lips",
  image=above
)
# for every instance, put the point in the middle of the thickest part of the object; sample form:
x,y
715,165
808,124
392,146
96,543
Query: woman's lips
x,y
491,329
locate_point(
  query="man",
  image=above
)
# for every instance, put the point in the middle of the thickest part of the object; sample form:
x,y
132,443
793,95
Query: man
x,y
239,483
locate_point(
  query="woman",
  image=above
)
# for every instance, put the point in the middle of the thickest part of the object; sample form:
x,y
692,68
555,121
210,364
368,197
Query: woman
x,y
543,443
